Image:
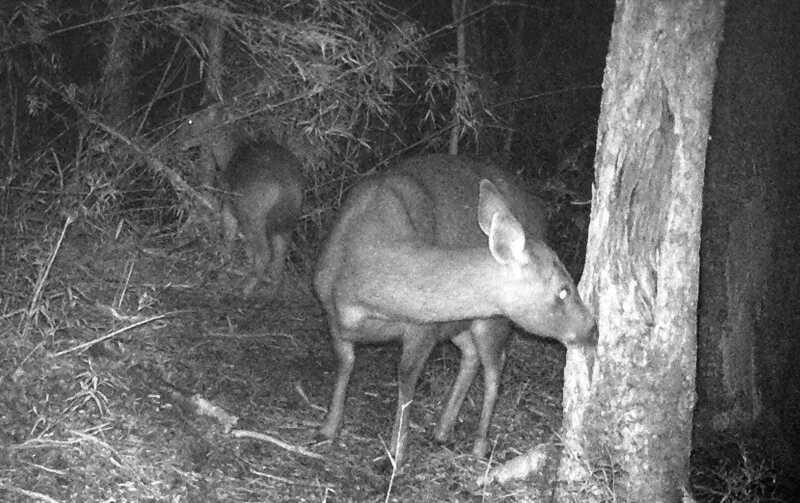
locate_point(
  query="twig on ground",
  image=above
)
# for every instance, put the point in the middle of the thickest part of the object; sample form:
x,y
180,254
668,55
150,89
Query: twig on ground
x,y
201,406
194,404
114,313
25,492
40,281
125,284
11,314
88,344
280,443
393,455
114,457
284,479
17,370
300,391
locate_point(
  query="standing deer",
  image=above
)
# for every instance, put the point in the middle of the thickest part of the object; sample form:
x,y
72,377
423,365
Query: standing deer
x,y
442,247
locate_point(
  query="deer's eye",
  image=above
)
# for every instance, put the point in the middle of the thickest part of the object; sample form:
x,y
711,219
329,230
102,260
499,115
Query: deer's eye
x,y
563,293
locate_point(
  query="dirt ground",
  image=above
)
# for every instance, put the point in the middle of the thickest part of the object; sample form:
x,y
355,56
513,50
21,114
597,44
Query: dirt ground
x,y
132,418
128,365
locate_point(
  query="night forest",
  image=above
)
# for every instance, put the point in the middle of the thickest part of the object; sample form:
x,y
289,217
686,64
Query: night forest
x,y
158,344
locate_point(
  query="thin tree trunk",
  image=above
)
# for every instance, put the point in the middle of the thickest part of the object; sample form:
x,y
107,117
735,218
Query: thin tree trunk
x,y
519,67
117,68
633,421
747,349
214,66
459,10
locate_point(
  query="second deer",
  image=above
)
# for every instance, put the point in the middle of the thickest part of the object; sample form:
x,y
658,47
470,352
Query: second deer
x,y
262,187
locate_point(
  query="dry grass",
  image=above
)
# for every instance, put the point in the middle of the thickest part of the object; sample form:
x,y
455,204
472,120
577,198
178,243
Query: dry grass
x,y
736,470
110,335
97,369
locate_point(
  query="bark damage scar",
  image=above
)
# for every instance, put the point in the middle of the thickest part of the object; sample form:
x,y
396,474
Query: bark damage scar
x,y
644,194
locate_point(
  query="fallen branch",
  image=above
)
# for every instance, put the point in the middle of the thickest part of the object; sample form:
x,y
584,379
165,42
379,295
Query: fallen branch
x,y
91,343
30,494
198,405
280,443
206,408
190,403
40,281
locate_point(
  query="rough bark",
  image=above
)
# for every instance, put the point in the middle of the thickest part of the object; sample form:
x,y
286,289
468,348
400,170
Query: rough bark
x,y
641,274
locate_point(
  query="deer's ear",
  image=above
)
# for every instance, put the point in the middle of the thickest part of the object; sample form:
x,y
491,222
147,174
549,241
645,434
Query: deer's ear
x,y
507,240
490,203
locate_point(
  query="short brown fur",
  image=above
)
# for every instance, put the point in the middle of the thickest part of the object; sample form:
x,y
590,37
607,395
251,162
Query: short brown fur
x,y
263,192
442,247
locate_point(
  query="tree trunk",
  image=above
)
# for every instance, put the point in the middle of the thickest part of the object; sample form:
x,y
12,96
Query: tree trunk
x,y
459,8
214,66
520,63
633,421
748,373
117,67
214,70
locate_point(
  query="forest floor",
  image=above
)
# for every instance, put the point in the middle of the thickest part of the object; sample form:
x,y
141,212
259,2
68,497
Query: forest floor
x,y
125,369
